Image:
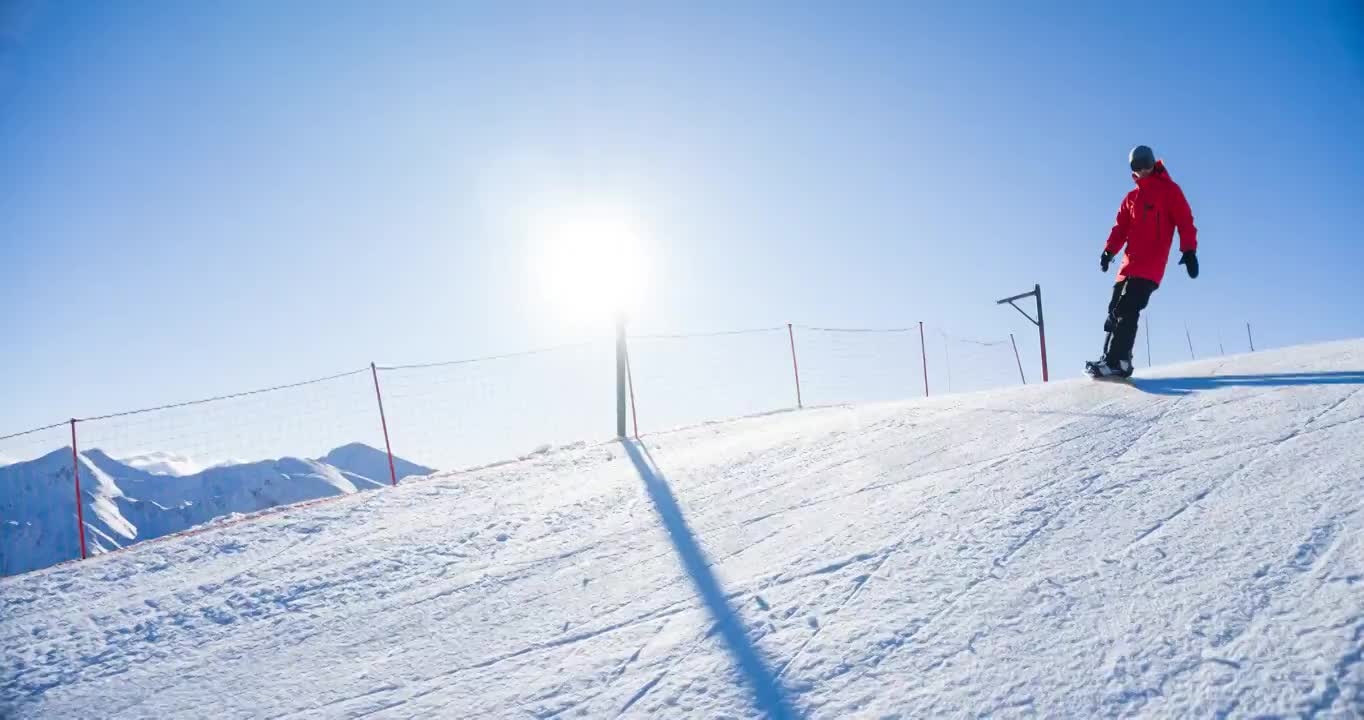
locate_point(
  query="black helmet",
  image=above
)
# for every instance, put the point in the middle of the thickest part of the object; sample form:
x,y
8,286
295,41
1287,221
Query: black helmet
x,y
1141,158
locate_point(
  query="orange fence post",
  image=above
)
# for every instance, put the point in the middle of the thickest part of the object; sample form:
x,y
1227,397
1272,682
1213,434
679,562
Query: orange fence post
x,y
923,356
392,473
795,367
76,473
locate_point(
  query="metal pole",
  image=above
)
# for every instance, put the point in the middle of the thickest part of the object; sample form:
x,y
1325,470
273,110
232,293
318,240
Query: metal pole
x,y
795,367
76,473
620,377
923,355
1041,331
1039,321
1250,337
1189,337
1017,360
383,421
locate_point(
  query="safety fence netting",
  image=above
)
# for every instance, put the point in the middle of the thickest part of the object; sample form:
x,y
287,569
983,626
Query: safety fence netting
x,y
464,413
848,365
682,380
306,421
969,364
147,473
37,499
151,472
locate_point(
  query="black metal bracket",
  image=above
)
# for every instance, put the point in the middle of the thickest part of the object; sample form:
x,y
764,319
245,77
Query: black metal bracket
x,y
1011,300
1036,294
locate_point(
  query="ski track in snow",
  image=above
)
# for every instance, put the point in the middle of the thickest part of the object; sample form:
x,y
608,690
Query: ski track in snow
x,y
1077,550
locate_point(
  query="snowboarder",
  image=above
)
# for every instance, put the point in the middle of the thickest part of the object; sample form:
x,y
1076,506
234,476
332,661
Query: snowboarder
x,y
1146,224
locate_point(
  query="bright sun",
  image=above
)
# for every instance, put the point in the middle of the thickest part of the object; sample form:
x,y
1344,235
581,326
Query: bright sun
x,y
590,264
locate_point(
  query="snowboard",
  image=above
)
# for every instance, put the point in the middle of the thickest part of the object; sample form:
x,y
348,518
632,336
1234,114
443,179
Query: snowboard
x,y
1092,373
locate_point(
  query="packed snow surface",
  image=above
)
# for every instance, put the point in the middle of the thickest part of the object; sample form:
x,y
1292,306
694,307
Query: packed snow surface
x,y
1189,546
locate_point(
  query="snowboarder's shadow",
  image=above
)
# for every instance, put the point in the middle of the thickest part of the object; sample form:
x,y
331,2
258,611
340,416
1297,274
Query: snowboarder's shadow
x,y
1187,385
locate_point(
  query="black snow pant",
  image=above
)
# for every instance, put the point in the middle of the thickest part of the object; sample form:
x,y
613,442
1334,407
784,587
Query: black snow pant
x,y
1129,299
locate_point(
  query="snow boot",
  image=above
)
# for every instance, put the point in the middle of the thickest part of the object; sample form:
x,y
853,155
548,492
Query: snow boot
x,y
1109,369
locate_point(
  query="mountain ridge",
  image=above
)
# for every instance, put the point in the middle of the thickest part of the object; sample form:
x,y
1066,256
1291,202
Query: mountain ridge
x,y
125,504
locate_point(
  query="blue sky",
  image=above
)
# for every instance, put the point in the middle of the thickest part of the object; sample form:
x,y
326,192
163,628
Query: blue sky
x,y
198,198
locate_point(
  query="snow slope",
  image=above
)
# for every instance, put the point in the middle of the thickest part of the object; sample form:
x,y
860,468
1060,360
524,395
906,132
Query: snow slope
x,y
127,502
1188,547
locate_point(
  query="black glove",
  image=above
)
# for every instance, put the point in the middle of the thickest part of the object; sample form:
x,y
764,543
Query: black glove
x,y
1104,260
1190,262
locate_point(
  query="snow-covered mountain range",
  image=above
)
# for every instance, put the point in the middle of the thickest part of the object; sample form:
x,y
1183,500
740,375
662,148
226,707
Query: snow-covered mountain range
x,y
134,499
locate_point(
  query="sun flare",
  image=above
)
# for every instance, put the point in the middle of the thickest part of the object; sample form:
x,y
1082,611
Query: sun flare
x,y
590,264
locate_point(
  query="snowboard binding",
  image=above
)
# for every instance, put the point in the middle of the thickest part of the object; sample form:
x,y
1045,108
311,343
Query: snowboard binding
x,y
1104,370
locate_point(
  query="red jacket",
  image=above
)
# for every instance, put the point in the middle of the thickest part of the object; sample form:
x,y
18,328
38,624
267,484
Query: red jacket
x,y
1146,224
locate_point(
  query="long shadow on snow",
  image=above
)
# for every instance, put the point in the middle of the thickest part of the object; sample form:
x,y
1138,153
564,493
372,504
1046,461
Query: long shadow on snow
x,y
1187,385
770,697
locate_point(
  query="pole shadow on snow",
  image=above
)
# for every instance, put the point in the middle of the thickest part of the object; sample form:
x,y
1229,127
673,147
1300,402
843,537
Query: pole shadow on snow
x,y
1187,385
770,696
